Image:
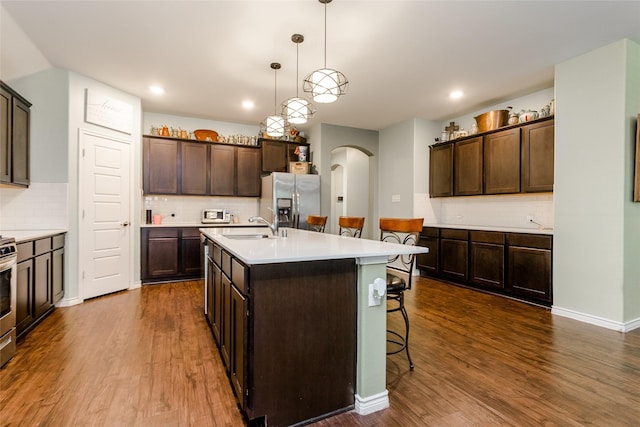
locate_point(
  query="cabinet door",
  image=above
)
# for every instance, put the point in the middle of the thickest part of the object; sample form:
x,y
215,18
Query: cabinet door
x,y
487,265
223,169
537,157
57,275
161,258
217,304
193,168
454,258
43,300
24,296
274,156
441,171
191,253
238,316
209,291
5,135
225,327
502,162
530,272
428,263
467,167
248,172
160,166
20,142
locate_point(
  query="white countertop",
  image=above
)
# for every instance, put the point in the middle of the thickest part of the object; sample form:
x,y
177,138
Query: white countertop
x,y
25,235
532,230
302,245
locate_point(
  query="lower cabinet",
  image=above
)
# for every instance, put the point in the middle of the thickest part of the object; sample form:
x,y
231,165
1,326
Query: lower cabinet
x,y
168,253
514,264
40,280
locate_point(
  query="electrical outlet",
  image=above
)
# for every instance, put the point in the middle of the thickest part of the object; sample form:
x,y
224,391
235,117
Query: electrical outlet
x,y
530,218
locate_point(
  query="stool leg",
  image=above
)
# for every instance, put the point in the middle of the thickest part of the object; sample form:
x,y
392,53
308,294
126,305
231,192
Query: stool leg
x,y
406,338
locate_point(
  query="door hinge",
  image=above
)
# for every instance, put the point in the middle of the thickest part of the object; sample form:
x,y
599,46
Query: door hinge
x,y
83,152
83,274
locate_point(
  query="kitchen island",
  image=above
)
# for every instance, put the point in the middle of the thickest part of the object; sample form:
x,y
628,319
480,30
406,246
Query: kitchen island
x,y
292,319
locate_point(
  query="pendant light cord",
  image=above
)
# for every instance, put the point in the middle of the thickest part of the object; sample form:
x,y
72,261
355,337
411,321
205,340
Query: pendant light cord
x,y
297,66
275,91
325,35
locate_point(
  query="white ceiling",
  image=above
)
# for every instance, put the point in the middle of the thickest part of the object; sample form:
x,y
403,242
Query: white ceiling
x,y
402,58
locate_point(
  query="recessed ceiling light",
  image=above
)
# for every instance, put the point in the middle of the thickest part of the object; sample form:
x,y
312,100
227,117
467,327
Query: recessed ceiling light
x,y
157,90
248,104
456,94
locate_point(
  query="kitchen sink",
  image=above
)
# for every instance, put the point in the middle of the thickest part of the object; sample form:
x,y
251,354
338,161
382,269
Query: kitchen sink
x,y
246,236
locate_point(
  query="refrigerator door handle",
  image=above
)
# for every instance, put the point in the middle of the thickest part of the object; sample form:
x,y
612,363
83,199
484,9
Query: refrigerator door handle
x,y
298,209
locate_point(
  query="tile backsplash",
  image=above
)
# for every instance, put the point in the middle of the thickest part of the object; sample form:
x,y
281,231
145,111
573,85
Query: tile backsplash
x,y
188,209
39,207
493,211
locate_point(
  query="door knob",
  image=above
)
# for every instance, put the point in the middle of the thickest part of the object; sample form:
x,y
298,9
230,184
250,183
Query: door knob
x,y
126,223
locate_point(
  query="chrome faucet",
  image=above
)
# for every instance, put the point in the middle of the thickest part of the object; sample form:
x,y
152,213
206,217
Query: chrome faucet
x,y
273,227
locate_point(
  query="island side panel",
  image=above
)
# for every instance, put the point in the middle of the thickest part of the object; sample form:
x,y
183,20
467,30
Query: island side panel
x,y
302,340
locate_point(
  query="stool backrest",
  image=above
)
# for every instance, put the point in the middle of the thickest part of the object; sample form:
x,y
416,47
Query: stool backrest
x,y
351,226
316,223
404,231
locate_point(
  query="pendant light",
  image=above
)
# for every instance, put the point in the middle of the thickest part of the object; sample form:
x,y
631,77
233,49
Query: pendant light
x,y
275,124
297,110
325,85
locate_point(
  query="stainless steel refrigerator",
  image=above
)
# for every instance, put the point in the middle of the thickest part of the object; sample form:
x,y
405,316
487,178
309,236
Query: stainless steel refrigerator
x,y
293,197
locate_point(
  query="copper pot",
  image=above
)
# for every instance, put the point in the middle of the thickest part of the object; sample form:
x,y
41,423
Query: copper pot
x,y
492,120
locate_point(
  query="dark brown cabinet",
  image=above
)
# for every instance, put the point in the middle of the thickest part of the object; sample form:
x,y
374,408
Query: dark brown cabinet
x,y
467,167
170,253
15,125
513,264
429,238
454,253
193,168
502,162
486,259
40,280
441,170
276,154
530,266
537,157
199,168
515,159
160,163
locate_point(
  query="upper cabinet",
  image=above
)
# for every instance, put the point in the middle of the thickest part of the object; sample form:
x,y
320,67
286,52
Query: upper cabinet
x,y
199,168
276,154
14,137
516,159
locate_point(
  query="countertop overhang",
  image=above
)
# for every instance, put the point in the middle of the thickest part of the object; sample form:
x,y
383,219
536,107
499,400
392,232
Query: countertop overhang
x,y
303,245
532,230
26,235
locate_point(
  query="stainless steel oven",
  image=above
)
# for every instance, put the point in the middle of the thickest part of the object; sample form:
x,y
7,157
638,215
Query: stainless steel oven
x,y
8,267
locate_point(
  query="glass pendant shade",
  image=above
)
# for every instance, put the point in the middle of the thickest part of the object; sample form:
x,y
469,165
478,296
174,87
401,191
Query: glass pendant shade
x,y
325,85
275,126
297,110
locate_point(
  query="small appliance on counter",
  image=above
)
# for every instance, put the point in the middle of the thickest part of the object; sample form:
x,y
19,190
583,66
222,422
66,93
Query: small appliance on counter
x,y
216,216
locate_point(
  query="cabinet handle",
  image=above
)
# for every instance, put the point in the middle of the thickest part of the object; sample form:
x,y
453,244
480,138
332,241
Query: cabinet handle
x,y
126,223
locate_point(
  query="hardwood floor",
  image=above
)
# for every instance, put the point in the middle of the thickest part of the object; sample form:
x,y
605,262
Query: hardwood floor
x,y
146,358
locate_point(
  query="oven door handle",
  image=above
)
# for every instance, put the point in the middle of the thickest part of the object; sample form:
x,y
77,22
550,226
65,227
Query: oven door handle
x,y
8,262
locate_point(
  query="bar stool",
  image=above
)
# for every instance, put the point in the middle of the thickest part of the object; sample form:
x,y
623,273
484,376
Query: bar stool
x,y
351,226
316,223
399,275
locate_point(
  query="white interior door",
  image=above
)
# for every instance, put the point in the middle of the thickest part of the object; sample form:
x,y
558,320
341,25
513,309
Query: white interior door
x,y
105,230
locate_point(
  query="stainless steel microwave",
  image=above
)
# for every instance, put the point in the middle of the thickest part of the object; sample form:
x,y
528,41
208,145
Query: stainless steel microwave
x,y
215,216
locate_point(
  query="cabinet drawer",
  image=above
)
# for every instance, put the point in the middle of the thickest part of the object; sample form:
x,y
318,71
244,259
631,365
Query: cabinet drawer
x,y
429,232
25,251
58,241
530,241
42,246
238,276
494,237
450,233
226,263
155,233
190,232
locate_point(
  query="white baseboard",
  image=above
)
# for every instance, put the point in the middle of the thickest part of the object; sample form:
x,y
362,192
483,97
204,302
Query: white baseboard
x,y
597,321
136,285
69,302
370,404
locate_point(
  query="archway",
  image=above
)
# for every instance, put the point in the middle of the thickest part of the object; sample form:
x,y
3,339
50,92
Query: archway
x,y
350,187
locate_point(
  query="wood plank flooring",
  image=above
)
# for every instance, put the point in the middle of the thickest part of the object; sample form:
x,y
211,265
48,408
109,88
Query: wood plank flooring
x,y
146,358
